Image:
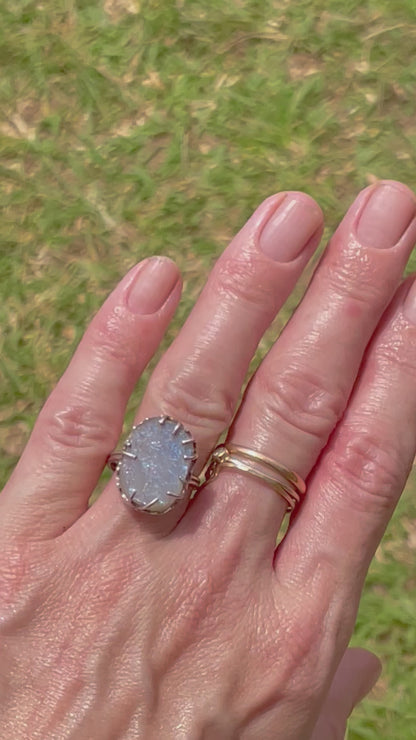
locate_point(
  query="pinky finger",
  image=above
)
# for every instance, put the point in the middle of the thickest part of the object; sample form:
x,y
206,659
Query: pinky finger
x,y
82,419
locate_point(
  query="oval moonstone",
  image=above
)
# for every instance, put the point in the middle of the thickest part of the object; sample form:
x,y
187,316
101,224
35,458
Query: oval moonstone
x,y
156,464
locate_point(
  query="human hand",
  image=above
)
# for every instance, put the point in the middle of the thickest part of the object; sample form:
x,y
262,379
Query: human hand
x,y
191,624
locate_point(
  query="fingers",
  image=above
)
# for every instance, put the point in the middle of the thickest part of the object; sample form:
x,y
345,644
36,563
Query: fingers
x,y
198,381
356,675
301,388
81,421
363,470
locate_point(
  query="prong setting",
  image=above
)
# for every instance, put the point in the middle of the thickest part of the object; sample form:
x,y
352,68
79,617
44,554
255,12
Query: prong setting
x,y
129,454
144,479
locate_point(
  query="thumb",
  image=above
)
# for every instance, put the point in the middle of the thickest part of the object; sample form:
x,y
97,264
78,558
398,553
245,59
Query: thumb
x,y
356,675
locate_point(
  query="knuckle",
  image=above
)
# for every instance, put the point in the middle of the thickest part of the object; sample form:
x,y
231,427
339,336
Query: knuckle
x,y
195,402
244,279
112,338
76,425
298,397
349,273
371,471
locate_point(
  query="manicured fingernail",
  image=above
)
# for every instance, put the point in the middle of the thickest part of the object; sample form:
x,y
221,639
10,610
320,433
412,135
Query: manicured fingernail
x,y
153,285
290,228
409,306
386,216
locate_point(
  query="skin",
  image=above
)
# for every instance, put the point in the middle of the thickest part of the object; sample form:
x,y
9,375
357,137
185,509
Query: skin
x,y
193,625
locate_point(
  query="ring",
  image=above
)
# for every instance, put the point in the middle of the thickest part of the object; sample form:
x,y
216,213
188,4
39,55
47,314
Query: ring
x,y
283,481
154,468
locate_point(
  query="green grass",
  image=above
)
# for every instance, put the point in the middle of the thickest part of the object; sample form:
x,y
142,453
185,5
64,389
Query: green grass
x,y
124,134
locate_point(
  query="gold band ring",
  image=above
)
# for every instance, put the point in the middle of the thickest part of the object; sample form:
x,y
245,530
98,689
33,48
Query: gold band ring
x,y
283,481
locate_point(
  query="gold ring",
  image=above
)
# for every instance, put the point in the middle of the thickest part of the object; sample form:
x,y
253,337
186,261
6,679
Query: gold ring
x,y
283,481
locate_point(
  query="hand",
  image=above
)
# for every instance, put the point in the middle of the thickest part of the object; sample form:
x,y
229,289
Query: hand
x,y
192,624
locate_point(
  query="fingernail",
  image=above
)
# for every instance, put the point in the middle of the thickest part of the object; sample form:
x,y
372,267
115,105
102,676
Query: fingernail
x,y
290,228
409,306
153,285
386,216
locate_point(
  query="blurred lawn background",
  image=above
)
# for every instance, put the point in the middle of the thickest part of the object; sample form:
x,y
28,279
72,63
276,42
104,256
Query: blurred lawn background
x,y
134,128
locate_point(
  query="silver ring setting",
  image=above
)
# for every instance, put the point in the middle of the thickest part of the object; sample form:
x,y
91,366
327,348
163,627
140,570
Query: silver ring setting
x,y
154,468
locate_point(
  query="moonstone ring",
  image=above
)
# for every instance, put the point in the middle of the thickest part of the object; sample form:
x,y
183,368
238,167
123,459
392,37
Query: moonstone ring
x,y
154,468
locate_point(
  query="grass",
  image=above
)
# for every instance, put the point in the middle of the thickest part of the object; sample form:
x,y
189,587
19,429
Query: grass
x,y
129,129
